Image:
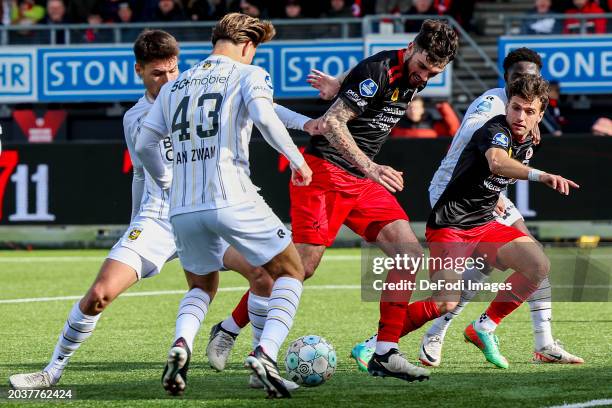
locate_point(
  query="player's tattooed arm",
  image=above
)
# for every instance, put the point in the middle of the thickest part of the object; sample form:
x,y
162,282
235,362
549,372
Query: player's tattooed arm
x,y
339,136
336,131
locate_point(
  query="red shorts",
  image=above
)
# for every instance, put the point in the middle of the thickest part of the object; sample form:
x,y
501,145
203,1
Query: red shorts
x,y
336,197
484,241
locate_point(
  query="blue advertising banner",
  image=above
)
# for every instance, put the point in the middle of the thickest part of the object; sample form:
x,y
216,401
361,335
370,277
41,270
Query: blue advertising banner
x,y
104,74
581,64
17,74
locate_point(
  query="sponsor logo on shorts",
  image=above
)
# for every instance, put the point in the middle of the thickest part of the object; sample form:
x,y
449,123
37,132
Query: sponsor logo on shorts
x,y
134,234
368,88
281,233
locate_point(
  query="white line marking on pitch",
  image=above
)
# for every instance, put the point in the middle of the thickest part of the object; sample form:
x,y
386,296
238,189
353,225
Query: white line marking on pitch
x,y
592,403
39,259
170,292
42,259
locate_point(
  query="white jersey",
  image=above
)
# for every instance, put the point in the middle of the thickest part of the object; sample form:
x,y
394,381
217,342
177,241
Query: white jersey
x,y
155,201
489,104
205,110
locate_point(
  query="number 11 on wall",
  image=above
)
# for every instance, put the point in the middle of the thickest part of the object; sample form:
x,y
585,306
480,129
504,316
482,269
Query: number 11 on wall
x,y
41,179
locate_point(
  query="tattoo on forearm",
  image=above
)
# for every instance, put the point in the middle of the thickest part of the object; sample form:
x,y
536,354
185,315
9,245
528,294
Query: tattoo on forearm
x,y
340,137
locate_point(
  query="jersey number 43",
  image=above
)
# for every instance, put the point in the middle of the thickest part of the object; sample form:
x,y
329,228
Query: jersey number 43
x,y
182,125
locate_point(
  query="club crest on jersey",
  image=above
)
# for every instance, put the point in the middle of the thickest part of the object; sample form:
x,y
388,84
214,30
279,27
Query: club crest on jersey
x,y
501,140
269,81
207,65
134,234
529,153
395,95
368,88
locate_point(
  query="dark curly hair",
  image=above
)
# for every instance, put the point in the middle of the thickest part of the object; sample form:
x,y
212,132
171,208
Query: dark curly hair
x,y
522,55
529,87
154,45
438,39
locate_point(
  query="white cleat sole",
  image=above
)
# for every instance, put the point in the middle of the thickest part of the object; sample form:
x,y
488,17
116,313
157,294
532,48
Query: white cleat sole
x,y
172,380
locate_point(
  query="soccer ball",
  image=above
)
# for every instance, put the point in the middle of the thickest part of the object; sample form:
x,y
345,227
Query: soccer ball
x,y
310,361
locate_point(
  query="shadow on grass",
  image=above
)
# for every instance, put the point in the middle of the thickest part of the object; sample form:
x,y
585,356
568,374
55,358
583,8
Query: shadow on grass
x,y
459,386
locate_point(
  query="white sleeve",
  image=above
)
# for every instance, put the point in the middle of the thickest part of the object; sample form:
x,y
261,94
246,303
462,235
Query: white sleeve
x,y
291,119
487,106
138,176
256,83
156,118
261,111
147,149
138,183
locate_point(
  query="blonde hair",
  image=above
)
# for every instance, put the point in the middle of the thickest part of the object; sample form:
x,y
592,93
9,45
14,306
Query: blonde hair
x,y
239,28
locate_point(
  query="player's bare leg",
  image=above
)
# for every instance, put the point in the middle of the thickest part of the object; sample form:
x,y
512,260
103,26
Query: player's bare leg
x,y
525,256
288,273
311,256
397,238
113,279
191,313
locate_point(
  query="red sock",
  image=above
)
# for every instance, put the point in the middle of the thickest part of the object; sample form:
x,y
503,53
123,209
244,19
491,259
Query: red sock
x,y
393,307
241,311
392,316
418,314
507,300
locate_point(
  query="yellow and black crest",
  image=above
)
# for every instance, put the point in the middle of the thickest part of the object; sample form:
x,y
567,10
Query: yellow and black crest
x,y
206,65
134,234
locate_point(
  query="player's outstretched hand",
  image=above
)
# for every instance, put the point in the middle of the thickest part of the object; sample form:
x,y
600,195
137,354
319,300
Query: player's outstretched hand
x,y
301,176
500,207
315,127
556,182
327,85
388,177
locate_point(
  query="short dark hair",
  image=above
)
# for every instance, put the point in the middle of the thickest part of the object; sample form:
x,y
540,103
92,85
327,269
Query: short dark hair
x,y
154,45
529,87
438,39
522,54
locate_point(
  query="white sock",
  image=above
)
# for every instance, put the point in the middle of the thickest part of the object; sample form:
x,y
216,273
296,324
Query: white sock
x,y
383,347
258,312
77,329
371,341
442,323
484,323
230,325
282,306
191,313
541,315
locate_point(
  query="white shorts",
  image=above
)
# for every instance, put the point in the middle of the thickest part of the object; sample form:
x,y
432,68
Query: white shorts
x,y
146,246
202,237
511,215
